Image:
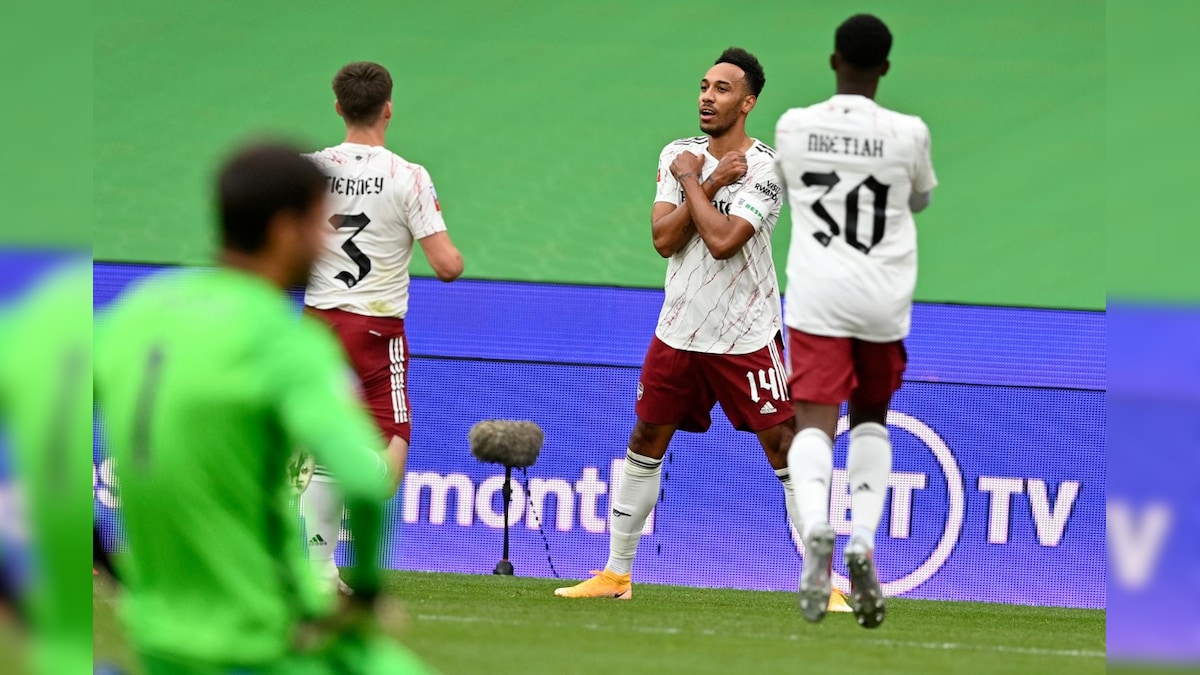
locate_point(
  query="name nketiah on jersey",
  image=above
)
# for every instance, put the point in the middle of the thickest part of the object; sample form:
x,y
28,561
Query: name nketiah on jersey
x,y
378,205
850,167
723,306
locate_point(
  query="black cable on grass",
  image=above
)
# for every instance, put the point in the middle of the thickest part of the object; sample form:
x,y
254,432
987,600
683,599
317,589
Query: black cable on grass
x,y
537,517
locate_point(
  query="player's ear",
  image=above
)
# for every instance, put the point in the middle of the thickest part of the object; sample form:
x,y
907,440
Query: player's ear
x,y
387,110
883,70
294,229
834,61
278,237
286,224
748,104
337,107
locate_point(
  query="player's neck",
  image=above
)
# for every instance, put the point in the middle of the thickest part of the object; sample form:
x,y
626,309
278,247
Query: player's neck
x,y
734,139
373,136
858,88
255,265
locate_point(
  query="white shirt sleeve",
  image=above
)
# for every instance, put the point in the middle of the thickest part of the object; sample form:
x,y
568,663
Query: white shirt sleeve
x,y
668,187
422,212
923,178
759,198
782,137
783,190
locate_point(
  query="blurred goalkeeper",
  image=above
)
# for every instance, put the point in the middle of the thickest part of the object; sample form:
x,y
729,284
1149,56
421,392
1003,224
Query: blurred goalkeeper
x,y
46,412
207,380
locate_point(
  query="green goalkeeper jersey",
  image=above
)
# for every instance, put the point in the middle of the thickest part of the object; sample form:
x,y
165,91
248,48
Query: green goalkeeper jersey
x,y
46,410
207,381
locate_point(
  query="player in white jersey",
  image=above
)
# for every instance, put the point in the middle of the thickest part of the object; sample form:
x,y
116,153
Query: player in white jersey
x,y
855,172
379,204
719,333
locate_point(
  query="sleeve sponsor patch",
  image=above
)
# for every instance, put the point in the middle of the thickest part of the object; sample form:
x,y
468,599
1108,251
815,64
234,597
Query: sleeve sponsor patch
x,y
744,205
769,188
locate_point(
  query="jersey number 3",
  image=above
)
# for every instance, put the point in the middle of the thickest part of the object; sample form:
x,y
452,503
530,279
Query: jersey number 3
x,y
354,222
878,190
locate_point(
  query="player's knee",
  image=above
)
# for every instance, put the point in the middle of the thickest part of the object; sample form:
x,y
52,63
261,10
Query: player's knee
x,y
776,443
649,440
816,415
782,448
777,456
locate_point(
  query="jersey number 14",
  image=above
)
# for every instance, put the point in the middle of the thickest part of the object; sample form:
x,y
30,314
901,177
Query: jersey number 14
x,y
768,381
879,192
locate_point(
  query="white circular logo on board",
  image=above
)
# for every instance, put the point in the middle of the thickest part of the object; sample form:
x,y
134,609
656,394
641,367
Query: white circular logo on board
x,y
954,516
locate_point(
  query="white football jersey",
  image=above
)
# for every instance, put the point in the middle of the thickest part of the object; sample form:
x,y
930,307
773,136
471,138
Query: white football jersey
x,y
723,306
378,205
849,166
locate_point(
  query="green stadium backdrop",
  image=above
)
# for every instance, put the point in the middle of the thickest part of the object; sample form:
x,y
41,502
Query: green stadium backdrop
x,y
541,122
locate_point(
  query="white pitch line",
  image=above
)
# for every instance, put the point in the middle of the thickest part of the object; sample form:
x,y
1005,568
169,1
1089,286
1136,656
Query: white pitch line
x,y
667,630
950,646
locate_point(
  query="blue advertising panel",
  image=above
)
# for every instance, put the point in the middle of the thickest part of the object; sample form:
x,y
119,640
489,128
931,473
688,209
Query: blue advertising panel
x,y
996,494
1153,492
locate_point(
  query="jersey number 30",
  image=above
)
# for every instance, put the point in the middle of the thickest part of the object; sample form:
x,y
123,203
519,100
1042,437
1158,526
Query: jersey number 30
x,y
354,222
878,190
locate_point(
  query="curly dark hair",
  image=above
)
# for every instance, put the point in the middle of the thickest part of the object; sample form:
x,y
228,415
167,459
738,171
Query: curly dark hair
x,y
755,79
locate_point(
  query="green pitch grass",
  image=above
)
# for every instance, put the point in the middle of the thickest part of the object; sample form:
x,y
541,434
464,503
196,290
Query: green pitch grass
x,y
477,624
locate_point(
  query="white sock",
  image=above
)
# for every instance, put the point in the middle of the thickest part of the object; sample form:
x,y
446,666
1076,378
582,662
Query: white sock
x,y
789,498
810,462
868,466
631,505
322,506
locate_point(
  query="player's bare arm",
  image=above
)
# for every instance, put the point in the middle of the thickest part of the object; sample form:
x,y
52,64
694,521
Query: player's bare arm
x,y
723,235
918,201
443,256
671,224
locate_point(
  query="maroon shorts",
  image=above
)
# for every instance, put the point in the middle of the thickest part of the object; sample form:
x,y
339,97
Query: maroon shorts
x,y
832,370
378,352
679,388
